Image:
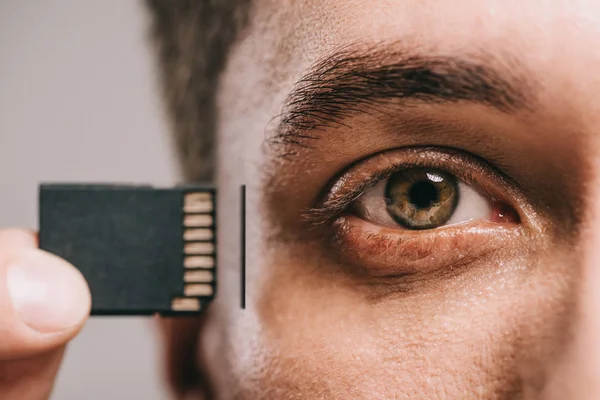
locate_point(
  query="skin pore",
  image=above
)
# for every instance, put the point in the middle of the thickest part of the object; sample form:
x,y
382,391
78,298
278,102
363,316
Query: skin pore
x,y
340,307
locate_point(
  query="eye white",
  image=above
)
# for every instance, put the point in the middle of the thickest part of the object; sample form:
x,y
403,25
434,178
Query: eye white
x,y
471,205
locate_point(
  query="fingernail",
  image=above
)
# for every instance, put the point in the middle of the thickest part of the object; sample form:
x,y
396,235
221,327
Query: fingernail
x,y
48,294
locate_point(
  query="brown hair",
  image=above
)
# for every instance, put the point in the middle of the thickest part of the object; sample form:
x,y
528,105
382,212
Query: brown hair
x,y
193,39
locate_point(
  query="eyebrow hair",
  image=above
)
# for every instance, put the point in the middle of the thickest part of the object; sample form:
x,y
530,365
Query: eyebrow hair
x,y
350,81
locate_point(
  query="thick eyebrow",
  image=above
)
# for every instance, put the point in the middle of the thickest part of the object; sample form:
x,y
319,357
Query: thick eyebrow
x,y
351,81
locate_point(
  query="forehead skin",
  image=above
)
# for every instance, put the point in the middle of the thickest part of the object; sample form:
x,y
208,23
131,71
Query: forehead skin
x,y
305,334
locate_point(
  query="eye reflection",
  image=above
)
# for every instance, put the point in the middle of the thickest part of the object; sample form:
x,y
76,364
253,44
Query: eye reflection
x,y
420,199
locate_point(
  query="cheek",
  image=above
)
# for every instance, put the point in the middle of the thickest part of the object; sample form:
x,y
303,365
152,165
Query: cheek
x,y
312,334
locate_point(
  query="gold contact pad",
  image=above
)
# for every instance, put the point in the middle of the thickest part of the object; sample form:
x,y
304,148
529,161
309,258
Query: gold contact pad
x,y
198,234
185,304
199,262
200,276
201,248
198,289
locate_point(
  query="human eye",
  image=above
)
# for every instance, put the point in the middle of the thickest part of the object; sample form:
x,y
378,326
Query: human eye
x,y
421,210
421,198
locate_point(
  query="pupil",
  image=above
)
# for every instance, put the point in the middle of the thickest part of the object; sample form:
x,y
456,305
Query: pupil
x,y
423,194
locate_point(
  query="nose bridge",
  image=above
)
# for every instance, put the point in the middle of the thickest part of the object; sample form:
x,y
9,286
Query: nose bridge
x,y
576,374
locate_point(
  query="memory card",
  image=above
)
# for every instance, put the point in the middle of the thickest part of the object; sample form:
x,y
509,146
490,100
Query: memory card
x,y
143,250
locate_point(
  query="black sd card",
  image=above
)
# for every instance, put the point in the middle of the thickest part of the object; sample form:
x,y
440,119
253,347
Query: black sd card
x,y
142,250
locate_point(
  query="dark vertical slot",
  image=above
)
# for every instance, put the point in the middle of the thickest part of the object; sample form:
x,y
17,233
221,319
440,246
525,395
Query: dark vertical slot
x,y
243,247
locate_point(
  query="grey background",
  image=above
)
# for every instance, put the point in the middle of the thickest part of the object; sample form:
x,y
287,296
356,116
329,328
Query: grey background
x,y
78,102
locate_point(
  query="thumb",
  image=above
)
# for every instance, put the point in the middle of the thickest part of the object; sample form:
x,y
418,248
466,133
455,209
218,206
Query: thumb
x,y
44,302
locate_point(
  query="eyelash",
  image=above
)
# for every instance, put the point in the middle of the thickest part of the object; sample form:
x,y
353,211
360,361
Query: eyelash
x,y
333,205
410,255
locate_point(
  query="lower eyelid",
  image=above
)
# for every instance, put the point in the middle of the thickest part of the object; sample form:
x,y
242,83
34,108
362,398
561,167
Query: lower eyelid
x,y
381,251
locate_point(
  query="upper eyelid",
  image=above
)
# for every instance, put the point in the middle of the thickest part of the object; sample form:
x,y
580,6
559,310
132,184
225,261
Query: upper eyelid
x,y
327,209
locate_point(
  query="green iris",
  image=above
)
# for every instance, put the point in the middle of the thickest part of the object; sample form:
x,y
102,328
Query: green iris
x,y
421,198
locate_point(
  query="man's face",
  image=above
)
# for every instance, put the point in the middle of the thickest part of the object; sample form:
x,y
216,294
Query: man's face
x,y
422,207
